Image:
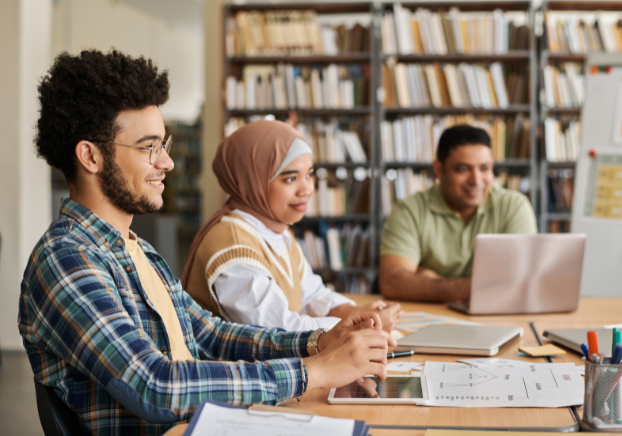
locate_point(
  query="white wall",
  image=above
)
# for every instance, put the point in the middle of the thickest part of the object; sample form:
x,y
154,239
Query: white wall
x,y
104,24
25,32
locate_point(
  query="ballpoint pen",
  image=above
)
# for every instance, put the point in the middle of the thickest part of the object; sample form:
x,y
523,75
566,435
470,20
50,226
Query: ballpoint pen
x,y
586,351
400,354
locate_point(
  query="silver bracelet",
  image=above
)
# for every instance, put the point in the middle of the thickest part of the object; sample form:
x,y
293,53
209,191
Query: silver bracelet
x,y
304,380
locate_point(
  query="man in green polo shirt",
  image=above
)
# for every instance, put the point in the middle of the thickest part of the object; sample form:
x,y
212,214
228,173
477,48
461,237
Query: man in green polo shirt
x,y
428,239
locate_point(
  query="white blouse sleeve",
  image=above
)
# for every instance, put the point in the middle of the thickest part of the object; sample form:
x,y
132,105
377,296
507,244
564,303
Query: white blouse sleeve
x,y
248,295
317,299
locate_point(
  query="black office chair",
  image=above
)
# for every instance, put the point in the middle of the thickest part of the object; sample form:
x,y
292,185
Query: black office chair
x,y
57,419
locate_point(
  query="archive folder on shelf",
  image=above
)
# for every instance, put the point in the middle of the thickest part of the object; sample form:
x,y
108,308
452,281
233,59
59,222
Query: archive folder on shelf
x,y
214,418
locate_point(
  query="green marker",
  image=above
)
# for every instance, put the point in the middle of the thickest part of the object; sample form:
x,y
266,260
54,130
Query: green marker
x,y
616,337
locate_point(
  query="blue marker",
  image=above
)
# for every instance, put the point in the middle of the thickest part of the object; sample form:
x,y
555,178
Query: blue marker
x,y
617,355
586,352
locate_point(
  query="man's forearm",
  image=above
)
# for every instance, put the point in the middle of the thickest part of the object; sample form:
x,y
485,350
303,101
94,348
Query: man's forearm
x,y
414,287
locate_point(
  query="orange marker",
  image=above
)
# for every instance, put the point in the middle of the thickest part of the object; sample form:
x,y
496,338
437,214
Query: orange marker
x,y
592,342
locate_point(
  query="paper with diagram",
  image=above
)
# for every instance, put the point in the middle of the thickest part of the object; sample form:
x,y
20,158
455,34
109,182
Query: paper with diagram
x,y
503,384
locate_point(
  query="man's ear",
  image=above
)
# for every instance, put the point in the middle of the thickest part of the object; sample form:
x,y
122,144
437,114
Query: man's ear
x,y
438,169
89,157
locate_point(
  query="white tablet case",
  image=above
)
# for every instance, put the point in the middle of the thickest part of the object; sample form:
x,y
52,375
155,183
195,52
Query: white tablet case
x,y
476,340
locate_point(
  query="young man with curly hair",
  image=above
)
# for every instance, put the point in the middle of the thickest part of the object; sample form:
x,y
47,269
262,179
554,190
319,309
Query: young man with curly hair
x,y
102,317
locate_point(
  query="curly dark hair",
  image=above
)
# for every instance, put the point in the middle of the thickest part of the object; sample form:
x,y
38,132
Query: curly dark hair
x,y
81,97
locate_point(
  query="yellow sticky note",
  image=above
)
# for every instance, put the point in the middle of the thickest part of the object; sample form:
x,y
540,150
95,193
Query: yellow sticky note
x,y
544,350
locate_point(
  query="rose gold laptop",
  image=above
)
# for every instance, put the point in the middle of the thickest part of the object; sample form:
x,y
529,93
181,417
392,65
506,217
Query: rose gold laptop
x,y
525,274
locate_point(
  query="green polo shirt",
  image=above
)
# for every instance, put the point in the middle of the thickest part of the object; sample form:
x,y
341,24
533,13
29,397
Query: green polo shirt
x,y
423,229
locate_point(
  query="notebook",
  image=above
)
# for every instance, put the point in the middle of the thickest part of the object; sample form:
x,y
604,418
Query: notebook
x,y
476,340
573,338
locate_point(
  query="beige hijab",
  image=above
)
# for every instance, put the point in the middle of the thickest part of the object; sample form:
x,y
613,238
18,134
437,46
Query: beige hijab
x,y
245,163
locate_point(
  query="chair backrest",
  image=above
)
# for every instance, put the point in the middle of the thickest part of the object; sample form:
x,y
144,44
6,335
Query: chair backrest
x,y
57,419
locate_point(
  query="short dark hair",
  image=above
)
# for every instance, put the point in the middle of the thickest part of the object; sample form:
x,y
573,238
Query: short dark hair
x,y
462,134
81,97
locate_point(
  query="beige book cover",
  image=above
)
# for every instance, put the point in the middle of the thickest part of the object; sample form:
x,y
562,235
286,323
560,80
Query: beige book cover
x,y
452,85
401,83
433,86
551,34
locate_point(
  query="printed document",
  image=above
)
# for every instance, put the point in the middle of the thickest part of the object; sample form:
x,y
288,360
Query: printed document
x,y
503,383
224,421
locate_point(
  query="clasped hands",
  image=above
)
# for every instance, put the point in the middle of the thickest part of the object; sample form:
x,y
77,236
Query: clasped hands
x,y
357,346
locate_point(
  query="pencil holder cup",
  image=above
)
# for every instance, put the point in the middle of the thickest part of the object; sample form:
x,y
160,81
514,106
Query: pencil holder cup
x,y
602,406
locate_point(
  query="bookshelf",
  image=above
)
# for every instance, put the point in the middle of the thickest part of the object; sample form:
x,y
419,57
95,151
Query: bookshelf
x,y
366,116
558,155
340,177
183,196
517,58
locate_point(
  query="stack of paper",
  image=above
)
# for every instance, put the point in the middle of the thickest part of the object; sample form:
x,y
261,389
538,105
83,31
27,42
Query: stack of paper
x,y
214,418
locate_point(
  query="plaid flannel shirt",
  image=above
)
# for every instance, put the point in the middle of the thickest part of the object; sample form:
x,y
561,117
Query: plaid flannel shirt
x,y
92,333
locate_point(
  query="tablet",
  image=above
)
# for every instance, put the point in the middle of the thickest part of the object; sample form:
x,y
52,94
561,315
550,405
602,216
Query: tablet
x,y
396,389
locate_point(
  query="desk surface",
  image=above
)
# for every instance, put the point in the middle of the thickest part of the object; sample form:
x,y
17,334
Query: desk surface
x,y
592,312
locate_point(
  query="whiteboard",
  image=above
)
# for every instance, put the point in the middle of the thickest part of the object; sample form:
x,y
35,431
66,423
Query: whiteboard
x,y
597,204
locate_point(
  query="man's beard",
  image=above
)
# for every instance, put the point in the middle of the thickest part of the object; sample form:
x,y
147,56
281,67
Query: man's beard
x,y
115,188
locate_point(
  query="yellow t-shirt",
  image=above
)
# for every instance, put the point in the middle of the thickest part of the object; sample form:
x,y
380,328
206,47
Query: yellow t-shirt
x,y
157,293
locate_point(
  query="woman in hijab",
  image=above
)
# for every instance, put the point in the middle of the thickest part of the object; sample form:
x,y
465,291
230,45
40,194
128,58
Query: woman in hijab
x,y
245,265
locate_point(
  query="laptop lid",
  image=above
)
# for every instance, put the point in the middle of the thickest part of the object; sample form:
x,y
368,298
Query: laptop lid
x,y
526,273
460,339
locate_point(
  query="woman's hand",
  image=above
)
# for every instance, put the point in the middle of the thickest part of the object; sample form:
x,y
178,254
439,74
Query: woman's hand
x,y
389,313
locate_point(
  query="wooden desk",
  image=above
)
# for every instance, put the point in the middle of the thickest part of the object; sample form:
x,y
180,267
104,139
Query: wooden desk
x,y
179,431
592,312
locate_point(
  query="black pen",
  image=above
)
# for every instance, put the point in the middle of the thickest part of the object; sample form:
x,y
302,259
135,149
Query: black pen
x,y
400,354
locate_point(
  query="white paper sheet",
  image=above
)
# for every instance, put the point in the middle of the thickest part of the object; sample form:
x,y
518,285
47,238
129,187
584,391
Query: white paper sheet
x,y
532,385
414,321
404,366
224,421
487,362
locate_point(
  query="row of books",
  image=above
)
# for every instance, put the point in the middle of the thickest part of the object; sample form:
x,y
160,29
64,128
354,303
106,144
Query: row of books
x,y
288,86
396,185
335,248
563,85
514,182
335,199
560,185
576,34
562,139
414,139
354,284
451,32
283,33
331,141
450,85
335,142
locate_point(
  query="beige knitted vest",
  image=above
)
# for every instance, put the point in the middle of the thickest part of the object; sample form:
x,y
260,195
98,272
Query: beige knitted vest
x,y
233,241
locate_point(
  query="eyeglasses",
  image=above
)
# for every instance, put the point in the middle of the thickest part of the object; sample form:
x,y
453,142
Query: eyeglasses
x,y
155,149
